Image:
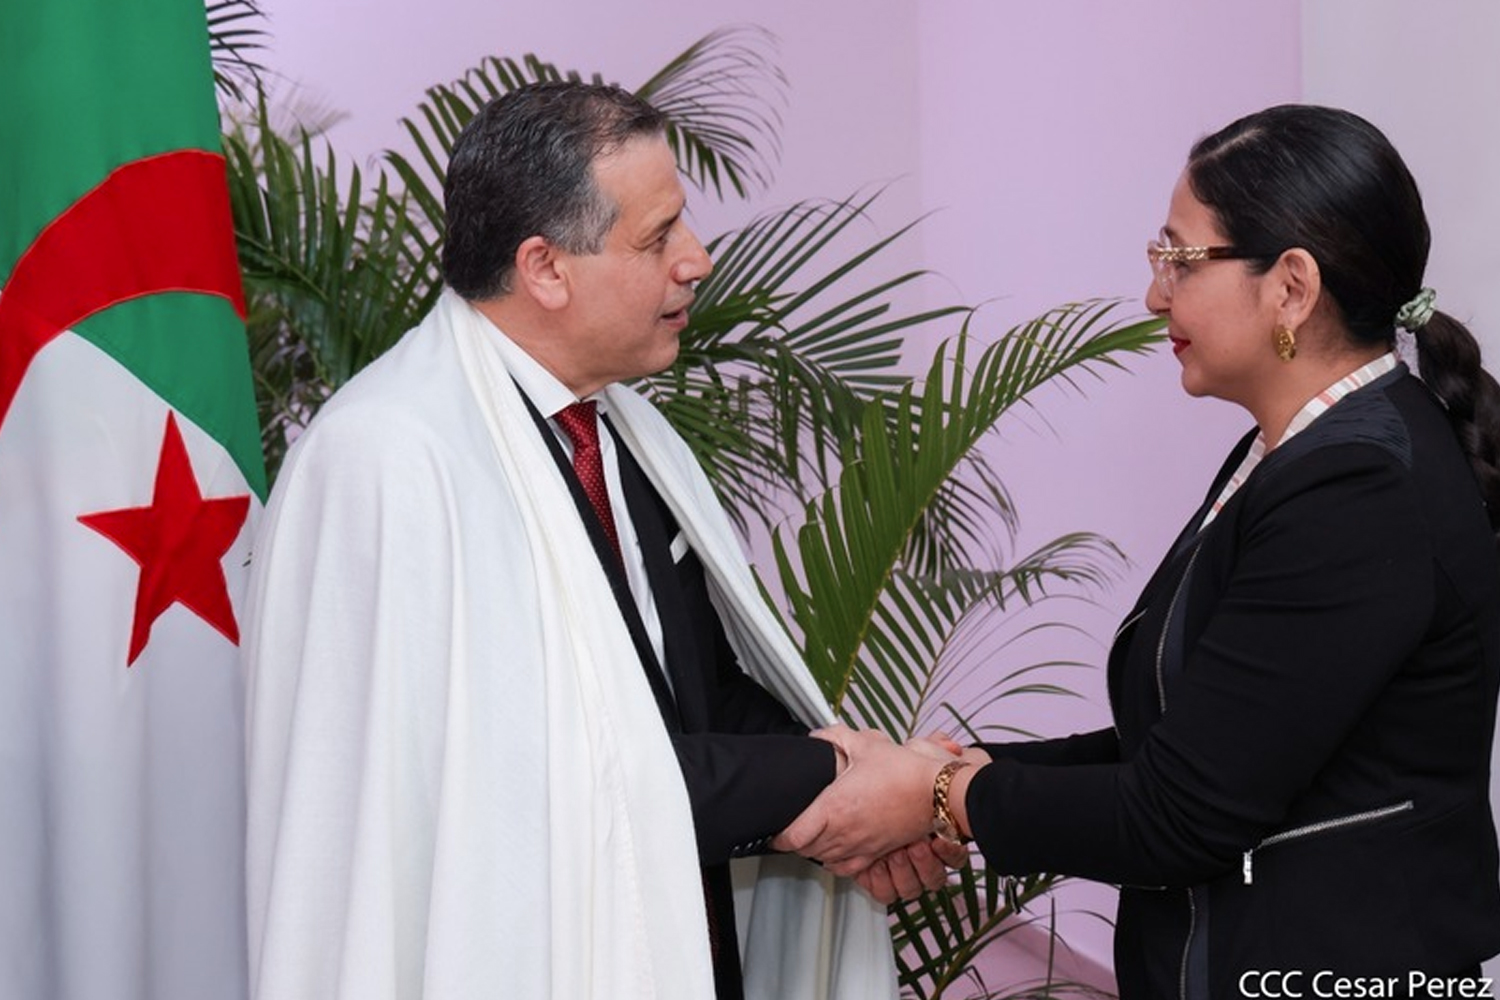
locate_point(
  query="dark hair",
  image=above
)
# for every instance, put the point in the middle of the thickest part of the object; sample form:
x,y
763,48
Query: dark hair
x,y
523,167
1329,182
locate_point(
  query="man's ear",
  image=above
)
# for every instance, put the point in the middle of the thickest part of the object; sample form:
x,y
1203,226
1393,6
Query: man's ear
x,y
540,274
1298,287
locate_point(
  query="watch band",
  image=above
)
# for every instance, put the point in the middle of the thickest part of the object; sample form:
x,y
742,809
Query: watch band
x,y
943,822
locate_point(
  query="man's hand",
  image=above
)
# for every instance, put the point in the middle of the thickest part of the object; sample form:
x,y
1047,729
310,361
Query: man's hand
x,y
882,802
909,871
874,822
850,743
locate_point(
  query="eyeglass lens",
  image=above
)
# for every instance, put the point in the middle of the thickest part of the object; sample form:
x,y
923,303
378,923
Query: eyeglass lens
x,y
1161,269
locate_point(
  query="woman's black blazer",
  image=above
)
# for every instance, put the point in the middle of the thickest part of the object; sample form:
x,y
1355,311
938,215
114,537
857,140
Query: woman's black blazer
x,y
1304,703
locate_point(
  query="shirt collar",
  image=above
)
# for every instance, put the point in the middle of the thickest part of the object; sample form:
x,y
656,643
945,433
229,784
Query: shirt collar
x,y
1312,410
543,388
1323,401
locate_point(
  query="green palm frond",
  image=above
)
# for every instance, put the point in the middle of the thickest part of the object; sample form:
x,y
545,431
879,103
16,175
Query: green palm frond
x,y
851,592
445,112
905,665
232,41
334,274
784,349
1059,347
939,936
783,345
969,666
894,569
721,97
778,263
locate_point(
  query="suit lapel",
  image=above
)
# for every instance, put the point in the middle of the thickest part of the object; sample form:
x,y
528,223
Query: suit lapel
x,y
655,528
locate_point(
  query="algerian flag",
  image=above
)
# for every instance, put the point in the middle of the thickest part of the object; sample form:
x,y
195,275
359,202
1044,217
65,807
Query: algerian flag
x,y
130,477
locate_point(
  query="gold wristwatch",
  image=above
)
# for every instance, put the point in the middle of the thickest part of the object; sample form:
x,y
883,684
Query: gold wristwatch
x,y
943,823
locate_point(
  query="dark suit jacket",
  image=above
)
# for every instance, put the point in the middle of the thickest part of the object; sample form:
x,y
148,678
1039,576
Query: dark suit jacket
x,y
749,766
1304,701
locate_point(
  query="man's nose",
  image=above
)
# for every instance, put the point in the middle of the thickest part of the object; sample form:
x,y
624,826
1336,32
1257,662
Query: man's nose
x,y
695,264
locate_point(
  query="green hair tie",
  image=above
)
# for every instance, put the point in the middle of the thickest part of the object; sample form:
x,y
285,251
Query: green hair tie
x,y
1415,314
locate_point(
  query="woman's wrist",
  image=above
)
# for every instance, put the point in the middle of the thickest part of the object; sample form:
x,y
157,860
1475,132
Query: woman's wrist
x,y
958,792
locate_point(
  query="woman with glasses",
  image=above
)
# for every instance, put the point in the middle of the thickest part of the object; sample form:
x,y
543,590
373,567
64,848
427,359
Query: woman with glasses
x,y
1294,796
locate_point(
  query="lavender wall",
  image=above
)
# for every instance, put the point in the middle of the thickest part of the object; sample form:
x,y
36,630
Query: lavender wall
x,y
851,120
1051,135
1427,76
1050,138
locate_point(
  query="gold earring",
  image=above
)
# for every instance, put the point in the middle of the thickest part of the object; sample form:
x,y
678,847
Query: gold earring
x,y
1285,339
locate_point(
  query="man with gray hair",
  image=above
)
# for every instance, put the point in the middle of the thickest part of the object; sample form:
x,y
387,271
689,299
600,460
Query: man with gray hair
x,y
515,700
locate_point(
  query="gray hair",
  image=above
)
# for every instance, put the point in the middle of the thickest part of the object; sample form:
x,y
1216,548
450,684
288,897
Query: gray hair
x,y
524,167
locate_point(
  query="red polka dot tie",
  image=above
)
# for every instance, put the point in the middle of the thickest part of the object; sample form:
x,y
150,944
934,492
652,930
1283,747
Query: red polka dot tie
x,y
582,427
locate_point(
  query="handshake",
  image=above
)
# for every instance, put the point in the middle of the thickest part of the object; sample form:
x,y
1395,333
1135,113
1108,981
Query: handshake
x,y
875,822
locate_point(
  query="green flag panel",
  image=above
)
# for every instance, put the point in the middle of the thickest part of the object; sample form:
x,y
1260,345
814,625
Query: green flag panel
x,y
90,86
190,350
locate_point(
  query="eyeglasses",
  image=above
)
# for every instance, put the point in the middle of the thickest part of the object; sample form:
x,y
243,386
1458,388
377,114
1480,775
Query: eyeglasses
x,y
1167,261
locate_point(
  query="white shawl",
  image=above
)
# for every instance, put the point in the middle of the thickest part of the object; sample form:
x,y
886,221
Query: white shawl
x,y
459,782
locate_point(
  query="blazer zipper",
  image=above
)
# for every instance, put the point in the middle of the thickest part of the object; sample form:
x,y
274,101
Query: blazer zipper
x,y
1355,819
1166,629
1126,624
1109,692
1187,947
1161,698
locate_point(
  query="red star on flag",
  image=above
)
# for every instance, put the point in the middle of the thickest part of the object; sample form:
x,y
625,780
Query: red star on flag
x,y
179,542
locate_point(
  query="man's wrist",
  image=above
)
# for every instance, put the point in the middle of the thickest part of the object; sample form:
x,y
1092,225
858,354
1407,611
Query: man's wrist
x,y
840,760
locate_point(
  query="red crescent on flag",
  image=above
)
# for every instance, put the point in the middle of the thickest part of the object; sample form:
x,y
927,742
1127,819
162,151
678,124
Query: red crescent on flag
x,y
159,224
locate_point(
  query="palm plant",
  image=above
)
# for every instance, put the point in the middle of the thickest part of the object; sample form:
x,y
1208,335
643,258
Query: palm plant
x,y
893,564
334,272
234,37
787,386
